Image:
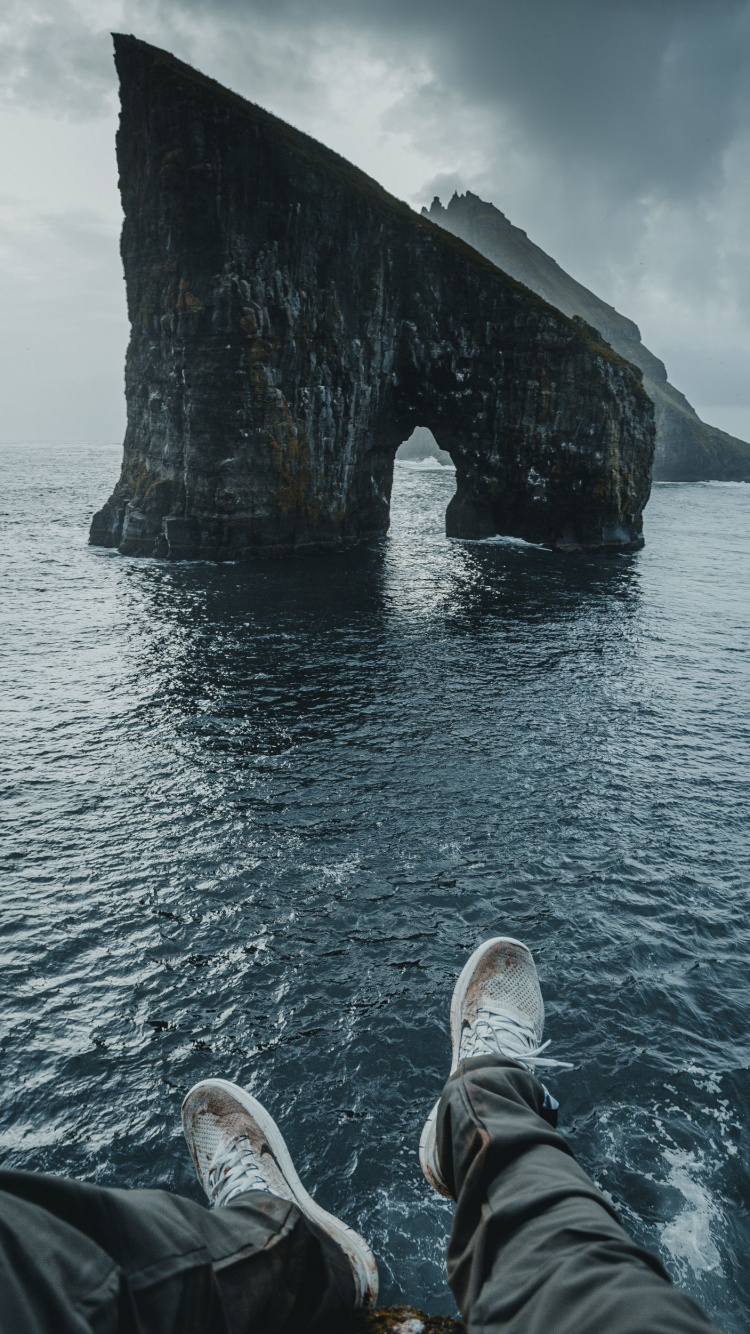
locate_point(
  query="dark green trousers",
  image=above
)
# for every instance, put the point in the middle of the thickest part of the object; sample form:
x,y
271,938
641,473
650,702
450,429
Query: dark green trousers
x,y
79,1259
535,1247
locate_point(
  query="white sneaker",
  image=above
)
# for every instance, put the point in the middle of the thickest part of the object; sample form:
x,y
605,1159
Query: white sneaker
x,y
497,1009
236,1146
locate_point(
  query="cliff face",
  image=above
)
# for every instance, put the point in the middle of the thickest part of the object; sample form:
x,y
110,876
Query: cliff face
x,y
291,323
687,449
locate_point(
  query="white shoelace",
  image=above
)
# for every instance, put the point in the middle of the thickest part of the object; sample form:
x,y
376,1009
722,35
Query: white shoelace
x,y
234,1169
498,1031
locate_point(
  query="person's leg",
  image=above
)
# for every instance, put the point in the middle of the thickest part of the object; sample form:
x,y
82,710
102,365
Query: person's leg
x,y
265,1258
237,1148
535,1246
52,1279
151,1261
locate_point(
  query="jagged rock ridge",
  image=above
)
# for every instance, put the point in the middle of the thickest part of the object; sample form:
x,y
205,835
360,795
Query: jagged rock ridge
x,y
687,449
291,323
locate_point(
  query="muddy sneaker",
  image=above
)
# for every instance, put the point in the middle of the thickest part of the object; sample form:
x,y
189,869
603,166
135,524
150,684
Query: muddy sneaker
x,y
236,1146
497,1009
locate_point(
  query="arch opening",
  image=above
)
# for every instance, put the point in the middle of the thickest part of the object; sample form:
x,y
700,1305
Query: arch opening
x,y
424,476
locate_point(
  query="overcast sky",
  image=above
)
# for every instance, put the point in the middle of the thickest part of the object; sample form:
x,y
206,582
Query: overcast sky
x,y
616,132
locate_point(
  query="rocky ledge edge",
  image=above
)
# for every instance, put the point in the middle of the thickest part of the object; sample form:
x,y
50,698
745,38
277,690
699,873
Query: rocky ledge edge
x,y
405,1320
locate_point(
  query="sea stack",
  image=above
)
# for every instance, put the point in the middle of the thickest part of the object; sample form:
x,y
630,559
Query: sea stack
x,y
291,323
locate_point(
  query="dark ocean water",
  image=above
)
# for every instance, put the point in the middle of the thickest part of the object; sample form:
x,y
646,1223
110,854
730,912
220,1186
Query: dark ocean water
x,y
256,816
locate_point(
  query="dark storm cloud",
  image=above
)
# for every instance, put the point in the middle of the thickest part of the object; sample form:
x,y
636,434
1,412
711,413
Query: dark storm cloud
x,y
646,92
649,92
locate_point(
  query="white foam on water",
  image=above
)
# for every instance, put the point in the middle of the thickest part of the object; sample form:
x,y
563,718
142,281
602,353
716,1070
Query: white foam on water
x,y
688,1237
667,482
500,540
424,465
341,871
692,1240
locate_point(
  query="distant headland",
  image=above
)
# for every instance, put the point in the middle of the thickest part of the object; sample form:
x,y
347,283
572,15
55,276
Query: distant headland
x,y
687,449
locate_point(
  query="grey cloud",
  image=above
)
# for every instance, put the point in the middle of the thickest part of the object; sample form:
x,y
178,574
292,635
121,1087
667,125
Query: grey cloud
x,y
607,128
646,95
647,92
50,60
66,300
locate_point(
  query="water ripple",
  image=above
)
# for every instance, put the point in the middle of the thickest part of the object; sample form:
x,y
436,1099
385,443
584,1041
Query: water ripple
x,y
255,816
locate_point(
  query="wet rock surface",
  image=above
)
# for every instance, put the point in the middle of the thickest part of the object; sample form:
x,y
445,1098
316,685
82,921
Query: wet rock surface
x,y
291,323
687,449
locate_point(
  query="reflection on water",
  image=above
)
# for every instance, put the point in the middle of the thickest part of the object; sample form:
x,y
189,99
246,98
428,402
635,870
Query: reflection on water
x,y
257,815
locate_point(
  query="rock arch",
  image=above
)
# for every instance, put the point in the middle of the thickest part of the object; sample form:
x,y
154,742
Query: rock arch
x,y
291,323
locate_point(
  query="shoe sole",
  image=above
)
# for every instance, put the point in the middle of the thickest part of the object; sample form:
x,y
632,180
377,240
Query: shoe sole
x,y
357,1251
428,1154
